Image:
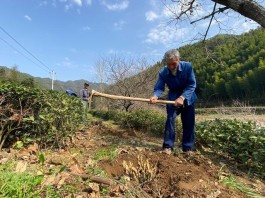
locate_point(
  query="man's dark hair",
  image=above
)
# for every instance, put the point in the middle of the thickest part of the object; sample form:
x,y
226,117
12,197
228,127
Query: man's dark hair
x,y
86,84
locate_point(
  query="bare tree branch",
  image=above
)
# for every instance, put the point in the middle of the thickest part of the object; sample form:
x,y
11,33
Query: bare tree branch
x,y
212,14
209,23
248,8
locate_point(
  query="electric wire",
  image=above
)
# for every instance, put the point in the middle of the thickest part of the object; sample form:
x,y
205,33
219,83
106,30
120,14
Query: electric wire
x,y
44,68
24,48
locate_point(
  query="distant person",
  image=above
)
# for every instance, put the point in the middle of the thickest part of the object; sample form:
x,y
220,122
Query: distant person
x,y
180,80
85,94
70,92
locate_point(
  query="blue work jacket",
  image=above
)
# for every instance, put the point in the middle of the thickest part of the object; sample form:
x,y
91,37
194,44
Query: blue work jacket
x,y
183,84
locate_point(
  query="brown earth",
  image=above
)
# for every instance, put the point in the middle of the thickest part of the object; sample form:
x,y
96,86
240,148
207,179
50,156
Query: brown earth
x,y
139,169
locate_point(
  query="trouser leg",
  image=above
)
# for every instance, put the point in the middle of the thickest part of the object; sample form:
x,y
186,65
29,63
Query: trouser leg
x,y
85,109
169,133
188,124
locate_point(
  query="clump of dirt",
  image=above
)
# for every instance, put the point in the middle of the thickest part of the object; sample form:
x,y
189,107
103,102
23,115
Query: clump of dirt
x,y
177,175
139,170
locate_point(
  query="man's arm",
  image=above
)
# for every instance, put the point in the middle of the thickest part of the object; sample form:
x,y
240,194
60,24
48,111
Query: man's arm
x,y
191,84
159,88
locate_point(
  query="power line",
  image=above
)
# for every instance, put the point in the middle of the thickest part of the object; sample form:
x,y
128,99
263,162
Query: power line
x,y
22,54
24,48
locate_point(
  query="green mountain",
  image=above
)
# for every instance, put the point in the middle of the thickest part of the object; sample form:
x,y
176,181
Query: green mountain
x,y
45,83
228,68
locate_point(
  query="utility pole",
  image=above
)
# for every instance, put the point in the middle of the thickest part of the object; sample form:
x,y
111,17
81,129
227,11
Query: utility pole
x,y
52,77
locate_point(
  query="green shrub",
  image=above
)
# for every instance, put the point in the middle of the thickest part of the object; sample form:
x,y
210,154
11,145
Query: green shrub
x,y
14,184
39,115
144,120
241,140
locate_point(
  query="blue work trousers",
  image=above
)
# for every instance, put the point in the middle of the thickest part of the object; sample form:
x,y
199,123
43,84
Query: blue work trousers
x,y
188,123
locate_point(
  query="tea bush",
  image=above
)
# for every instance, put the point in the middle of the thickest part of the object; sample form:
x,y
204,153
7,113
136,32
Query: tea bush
x,y
37,115
241,140
145,120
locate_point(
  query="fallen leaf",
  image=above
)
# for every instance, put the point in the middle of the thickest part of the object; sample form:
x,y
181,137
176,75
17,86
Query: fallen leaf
x,y
3,160
95,190
76,168
21,167
22,153
48,180
33,147
63,178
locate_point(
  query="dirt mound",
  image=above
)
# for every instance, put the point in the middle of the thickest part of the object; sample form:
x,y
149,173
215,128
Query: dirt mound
x,y
138,168
178,175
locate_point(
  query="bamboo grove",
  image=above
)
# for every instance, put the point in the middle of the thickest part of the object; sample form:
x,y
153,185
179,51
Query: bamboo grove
x,y
230,67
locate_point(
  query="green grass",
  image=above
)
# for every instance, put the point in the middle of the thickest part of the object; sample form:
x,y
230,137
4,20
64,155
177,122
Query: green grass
x,y
106,153
19,185
232,183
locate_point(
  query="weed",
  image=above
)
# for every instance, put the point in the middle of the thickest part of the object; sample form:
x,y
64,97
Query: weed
x,y
19,184
107,153
51,192
145,172
233,183
96,171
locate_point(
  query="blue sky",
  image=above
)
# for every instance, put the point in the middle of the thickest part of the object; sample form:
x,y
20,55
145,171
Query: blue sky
x,y
69,36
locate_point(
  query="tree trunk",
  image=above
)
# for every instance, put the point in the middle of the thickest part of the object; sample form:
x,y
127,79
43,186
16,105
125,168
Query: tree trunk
x,y
247,8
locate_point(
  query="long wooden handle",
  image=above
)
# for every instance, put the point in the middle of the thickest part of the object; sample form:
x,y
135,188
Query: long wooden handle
x,y
95,93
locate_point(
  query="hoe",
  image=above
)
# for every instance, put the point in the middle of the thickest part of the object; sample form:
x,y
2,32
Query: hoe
x,y
115,97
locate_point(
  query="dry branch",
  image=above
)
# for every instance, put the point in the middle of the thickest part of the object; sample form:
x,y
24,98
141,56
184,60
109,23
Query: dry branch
x,y
96,179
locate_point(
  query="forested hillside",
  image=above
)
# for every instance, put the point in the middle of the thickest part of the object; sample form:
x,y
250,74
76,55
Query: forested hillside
x,y
13,75
230,67
227,68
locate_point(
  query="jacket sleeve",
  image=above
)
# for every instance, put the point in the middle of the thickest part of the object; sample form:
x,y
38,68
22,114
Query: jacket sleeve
x,y
191,83
159,86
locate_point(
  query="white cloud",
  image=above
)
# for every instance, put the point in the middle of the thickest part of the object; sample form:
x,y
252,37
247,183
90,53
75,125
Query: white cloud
x,y
89,2
66,63
244,25
151,16
119,25
165,35
77,2
68,4
86,28
27,17
43,3
116,6
67,7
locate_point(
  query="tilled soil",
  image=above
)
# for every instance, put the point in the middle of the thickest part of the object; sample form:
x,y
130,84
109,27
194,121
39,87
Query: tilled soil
x,y
139,169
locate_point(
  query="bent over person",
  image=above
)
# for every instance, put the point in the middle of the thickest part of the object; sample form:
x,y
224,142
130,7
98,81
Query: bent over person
x,y
180,79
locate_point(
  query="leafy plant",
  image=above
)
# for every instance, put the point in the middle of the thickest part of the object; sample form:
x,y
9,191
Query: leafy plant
x,y
34,114
233,183
106,153
19,185
241,140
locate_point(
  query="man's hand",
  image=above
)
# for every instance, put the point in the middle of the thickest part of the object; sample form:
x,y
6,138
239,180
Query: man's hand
x,y
179,102
153,99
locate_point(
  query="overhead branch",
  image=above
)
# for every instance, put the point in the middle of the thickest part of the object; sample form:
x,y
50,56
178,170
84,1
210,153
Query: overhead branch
x,y
186,8
247,8
212,14
210,23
